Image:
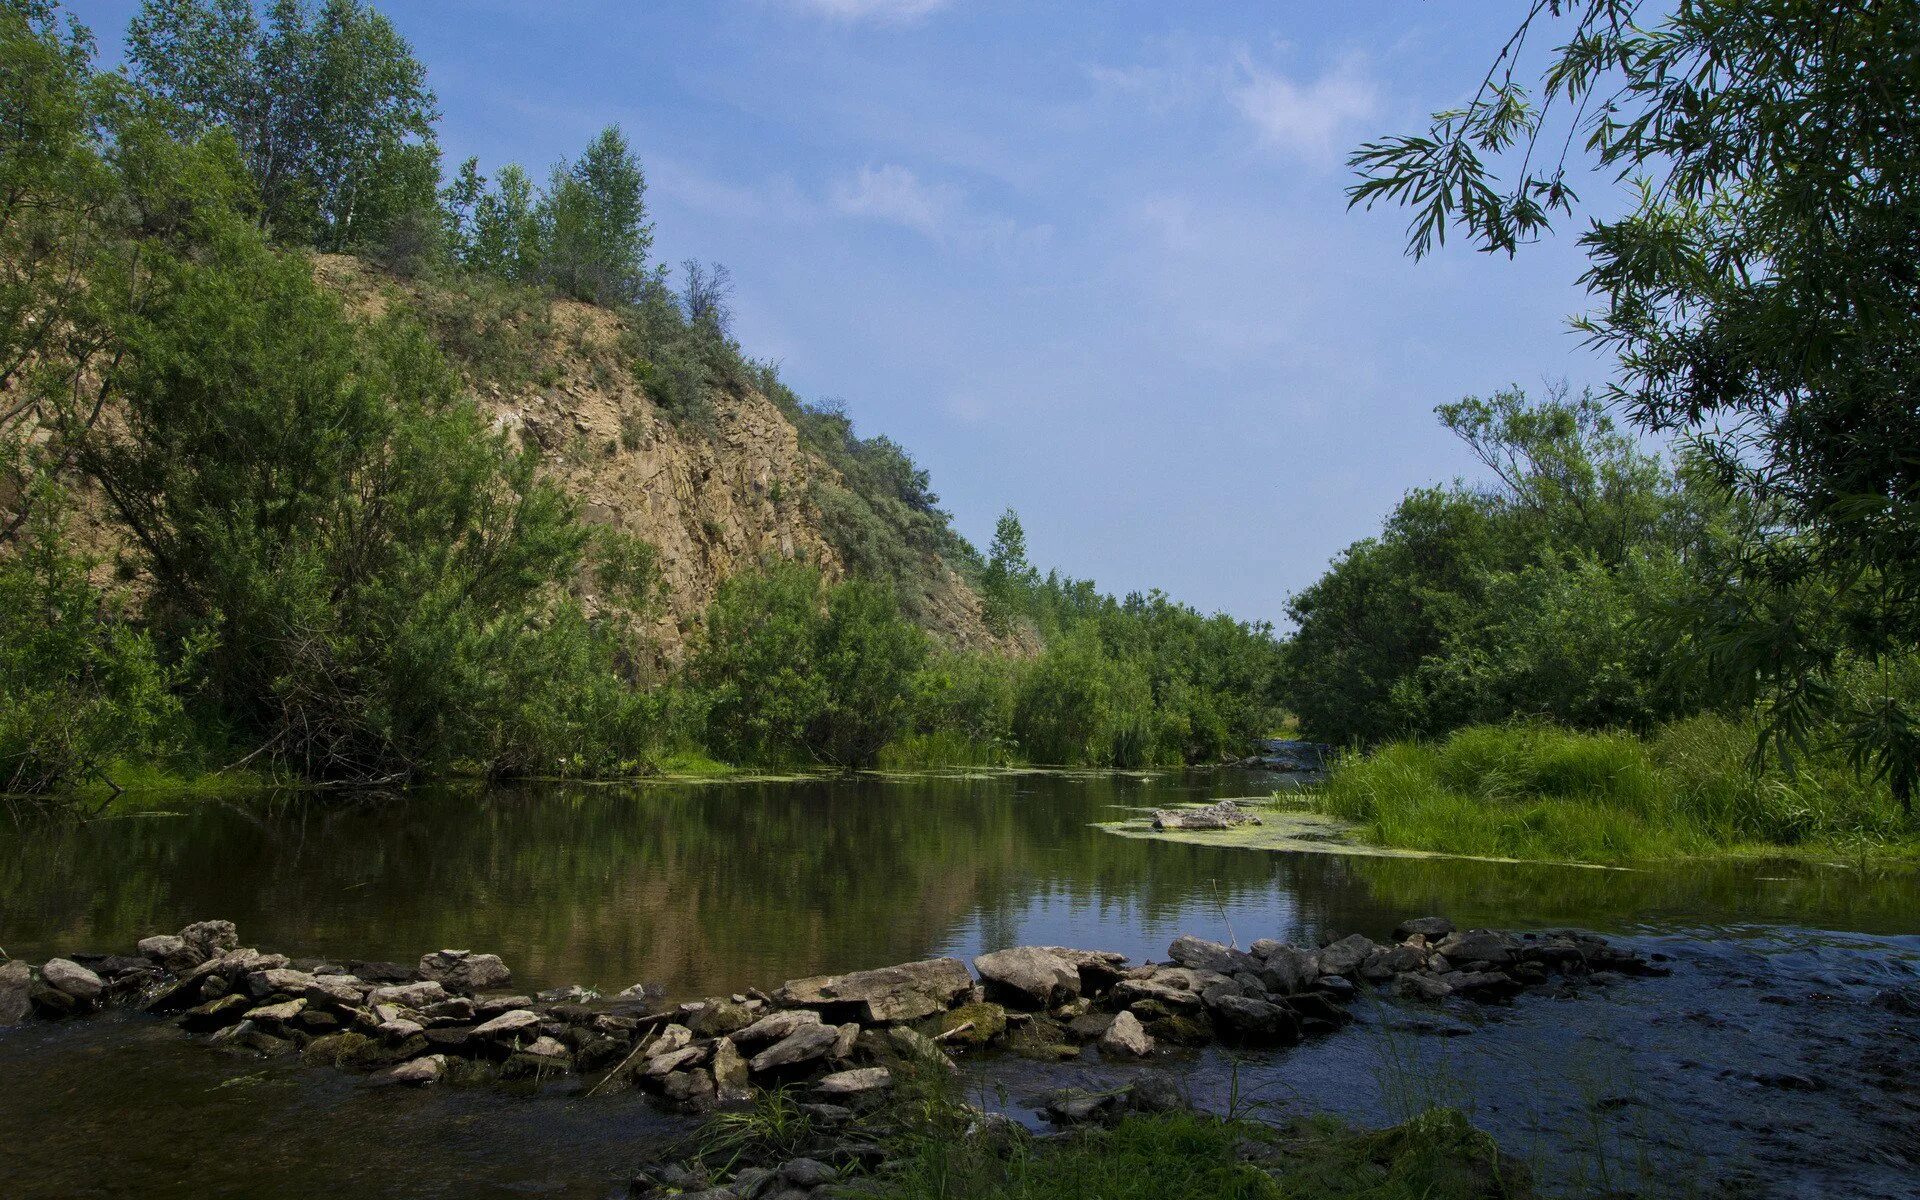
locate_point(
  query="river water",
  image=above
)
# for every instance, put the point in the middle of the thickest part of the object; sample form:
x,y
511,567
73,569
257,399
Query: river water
x,y
1762,1065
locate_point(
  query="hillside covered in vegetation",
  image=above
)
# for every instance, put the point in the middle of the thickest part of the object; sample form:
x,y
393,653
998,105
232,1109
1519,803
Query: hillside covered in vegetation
x,y
318,462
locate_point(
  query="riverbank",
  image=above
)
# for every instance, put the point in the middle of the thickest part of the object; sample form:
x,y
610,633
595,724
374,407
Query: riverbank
x,y
1538,792
1144,1141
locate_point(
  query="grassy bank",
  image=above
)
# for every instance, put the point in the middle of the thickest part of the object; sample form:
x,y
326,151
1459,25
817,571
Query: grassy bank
x,y
1541,792
1182,1156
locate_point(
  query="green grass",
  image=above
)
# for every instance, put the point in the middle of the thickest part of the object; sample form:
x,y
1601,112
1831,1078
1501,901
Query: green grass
x,y
1540,792
1191,1156
945,748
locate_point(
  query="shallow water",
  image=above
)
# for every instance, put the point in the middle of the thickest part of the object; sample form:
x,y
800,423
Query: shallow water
x,y
714,887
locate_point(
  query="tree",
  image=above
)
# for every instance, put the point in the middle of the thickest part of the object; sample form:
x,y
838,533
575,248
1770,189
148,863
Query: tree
x,y
330,109
795,670
377,577
1007,573
593,222
1760,295
707,297
506,229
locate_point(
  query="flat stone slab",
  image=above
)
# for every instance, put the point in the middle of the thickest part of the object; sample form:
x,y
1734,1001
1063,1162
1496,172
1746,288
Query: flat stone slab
x,y
901,993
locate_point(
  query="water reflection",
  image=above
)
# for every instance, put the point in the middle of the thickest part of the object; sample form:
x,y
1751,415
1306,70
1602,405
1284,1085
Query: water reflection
x,y
714,887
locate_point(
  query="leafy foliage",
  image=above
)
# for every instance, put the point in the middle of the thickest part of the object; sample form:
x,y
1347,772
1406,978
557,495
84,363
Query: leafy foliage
x,y
1542,594
1759,294
78,687
329,108
795,670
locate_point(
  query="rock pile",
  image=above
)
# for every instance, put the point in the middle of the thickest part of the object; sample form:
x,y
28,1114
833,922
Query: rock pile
x,y
451,1016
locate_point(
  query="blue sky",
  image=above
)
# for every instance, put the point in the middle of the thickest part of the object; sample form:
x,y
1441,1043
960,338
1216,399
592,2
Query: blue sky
x,y
1090,261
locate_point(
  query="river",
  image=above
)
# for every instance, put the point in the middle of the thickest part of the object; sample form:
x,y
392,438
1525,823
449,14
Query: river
x,y
1762,1061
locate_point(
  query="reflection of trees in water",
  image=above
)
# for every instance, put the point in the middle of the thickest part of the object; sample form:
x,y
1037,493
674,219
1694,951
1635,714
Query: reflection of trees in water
x,y
724,885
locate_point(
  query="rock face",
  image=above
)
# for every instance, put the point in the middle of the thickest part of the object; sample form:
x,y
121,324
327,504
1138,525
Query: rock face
x,y
464,971
1224,815
1030,974
903,993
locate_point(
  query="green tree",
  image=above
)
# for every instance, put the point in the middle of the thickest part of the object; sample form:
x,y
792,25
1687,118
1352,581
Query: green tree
x,y
1758,291
79,687
593,221
795,670
330,109
1007,573
379,575
506,229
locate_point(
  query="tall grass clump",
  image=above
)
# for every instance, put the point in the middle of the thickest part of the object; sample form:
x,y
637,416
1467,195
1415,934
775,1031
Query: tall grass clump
x,y
1538,791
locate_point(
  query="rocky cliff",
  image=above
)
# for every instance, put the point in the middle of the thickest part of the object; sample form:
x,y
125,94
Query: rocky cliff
x,y
713,497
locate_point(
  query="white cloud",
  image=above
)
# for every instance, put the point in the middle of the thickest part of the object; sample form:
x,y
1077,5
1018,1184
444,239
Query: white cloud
x,y
872,10
895,194
1309,120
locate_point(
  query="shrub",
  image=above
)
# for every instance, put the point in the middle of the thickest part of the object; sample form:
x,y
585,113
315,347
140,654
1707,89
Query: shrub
x,y
1077,706
78,688
794,670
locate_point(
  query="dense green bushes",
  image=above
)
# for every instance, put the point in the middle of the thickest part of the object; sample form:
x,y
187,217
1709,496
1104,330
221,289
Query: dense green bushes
x,y
1555,593
1541,791
79,688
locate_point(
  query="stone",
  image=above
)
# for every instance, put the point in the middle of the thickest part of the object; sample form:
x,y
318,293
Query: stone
x,y
1029,975
1388,961
1201,955
277,1014
690,1090
399,1029
1090,1025
374,971
1480,985
1072,1106
464,971
215,1014
551,1047
1181,1030
717,1018
451,1011
855,1084
493,1006
282,980
848,1035
1256,1020
458,1038
669,1039
409,995
1156,1093
659,1066
170,951
1479,945
1288,969
70,977
912,1046
1418,985
1099,969
1345,956
806,1173
417,1073
905,992
729,1065
211,939
773,1028
1224,815
1431,928
341,992
508,1024
1126,1038
971,1024
16,988
804,1044
521,1065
